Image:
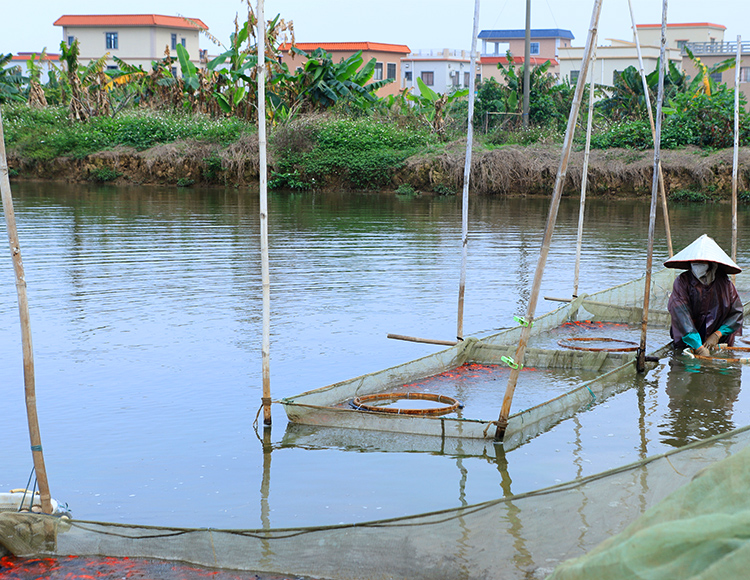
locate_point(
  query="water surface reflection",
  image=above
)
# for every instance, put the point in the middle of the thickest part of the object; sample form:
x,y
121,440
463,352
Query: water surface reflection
x,y
146,307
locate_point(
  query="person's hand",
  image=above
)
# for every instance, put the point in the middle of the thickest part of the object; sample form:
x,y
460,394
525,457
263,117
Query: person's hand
x,y
712,340
701,351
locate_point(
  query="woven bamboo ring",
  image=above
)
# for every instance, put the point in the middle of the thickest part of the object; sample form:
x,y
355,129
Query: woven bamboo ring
x,y
631,346
362,403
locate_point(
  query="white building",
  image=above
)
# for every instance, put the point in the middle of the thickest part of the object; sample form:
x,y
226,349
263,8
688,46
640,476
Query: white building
x,y
138,39
22,59
614,58
443,70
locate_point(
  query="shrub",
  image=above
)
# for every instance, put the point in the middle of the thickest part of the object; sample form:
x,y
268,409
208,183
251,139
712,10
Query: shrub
x,y
103,174
406,189
690,196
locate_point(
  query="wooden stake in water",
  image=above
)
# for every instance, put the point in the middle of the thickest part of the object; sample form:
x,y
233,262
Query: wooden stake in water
x,y
502,421
28,352
641,358
467,174
736,145
647,97
584,175
266,280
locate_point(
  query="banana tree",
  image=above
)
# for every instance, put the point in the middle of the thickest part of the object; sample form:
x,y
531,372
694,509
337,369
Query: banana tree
x,y
433,105
320,83
11,80
35,92
703,83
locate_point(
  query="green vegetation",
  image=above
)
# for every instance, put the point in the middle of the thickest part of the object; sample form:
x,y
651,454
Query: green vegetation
x,y
48,133
406,189
103,174
686,195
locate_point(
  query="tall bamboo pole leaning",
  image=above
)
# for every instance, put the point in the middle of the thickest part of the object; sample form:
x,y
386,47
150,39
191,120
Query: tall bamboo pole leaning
x,y
266,281
467,174
736,145
35,436
584,175
641,358
502,421
647,97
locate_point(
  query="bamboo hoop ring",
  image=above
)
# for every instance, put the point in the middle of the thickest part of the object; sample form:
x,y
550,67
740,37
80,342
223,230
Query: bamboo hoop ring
x,y
633,345
361,403
727,360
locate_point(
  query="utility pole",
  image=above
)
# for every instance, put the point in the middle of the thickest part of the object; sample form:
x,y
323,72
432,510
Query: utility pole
x,y
527,67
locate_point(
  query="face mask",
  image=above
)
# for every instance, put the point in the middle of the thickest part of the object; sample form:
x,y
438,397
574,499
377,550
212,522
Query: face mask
x,y
704,272
699,270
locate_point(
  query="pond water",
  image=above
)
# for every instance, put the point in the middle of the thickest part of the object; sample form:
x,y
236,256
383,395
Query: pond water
x,y
146,320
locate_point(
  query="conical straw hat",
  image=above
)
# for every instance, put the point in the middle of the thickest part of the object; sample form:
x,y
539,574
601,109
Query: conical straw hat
x,y
704,249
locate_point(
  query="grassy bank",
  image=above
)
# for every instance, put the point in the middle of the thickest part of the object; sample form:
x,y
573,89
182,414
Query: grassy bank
x,y
340,151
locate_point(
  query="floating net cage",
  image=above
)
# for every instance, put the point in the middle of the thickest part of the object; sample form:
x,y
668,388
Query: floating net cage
x,y
524,536
554,384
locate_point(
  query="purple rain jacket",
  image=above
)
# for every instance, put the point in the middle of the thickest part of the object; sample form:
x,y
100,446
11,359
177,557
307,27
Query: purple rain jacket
x,y
704,309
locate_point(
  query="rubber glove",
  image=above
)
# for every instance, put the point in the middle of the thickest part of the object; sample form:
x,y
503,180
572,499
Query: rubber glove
x,y
712,340
701,351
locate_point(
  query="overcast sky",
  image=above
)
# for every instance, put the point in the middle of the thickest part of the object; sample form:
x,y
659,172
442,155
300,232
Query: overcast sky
x,y
416,23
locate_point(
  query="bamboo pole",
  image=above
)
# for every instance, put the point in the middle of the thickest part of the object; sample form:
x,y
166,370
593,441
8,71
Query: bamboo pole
x,y
467,174
35,436
584,175
266,281
736,145
425,340
502,421
646,95
641,358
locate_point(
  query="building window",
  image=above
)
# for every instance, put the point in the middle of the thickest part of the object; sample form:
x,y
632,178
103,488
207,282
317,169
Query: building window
x,y
183,42
681,45
378,74
466,79
407,76
111,67
71,40
744,74
455,78
574,76
716,77
174,42
428,77
111,40
533,48
174,71
391,70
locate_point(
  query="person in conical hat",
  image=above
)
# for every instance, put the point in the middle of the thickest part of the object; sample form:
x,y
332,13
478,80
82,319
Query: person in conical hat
x,y
705,306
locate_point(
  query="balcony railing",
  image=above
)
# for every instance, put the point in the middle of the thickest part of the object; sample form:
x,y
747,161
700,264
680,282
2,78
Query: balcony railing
x,y
440,53
727,48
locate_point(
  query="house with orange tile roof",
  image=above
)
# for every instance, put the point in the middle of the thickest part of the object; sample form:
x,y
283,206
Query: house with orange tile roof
x,y
138,39
387,58
442,69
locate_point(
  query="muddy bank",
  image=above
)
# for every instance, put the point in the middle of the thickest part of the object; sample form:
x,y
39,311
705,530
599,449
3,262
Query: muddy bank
x,y
510,170
613,172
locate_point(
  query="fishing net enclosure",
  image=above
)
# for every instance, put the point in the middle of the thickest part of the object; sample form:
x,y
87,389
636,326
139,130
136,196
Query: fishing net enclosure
x,y
524,536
